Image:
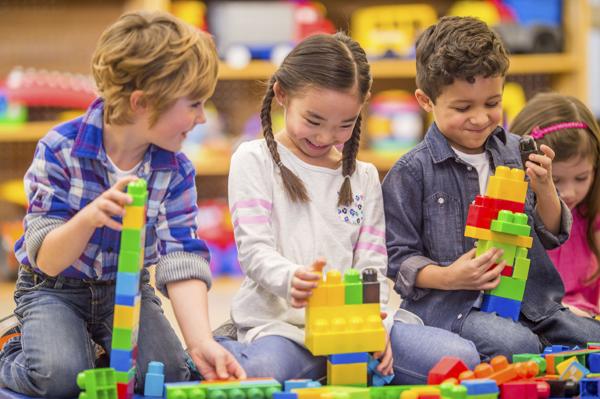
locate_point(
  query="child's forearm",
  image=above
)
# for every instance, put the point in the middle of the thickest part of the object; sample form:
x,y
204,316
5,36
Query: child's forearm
x,y
433,276
548,209
190,305
64,245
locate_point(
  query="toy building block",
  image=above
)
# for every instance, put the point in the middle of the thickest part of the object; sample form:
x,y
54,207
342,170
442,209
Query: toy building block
x,y
377,379
593,345
522,263
511,223
525,357
125,390
484,234
509,250
563,389
480,387
589,388
562,366
575,371
447,367
262,388
289,385
480,215
507,271
329,392
519,390
504,307
155,379
509,288
97,384
507,184
353,374
426,392
347,358
552,359
370,286
353,287
593,362
127,316
128,284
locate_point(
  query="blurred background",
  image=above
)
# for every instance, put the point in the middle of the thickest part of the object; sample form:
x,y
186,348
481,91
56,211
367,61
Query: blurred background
x,y
46,47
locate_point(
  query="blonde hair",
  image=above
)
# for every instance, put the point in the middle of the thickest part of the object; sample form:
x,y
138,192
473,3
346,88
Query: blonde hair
x,y
546,109
158,54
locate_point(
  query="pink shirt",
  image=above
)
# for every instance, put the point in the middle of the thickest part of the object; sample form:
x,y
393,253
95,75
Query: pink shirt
x,y
575,261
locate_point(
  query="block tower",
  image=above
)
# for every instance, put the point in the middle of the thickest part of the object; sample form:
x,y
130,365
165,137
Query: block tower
x,y
343,322
127,292
497,220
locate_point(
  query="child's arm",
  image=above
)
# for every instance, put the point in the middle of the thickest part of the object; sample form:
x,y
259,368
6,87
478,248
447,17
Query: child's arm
x,y
251,183
190,305
548,207
54,256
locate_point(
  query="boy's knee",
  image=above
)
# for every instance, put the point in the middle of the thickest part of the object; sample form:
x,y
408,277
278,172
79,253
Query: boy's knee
x,y
57,379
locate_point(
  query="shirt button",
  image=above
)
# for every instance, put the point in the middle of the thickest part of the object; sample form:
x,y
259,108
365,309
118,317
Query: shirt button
x,y
459,316
440,201
469,168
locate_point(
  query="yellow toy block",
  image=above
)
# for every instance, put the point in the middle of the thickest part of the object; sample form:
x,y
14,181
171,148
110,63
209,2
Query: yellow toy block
x,y
488,235
329,292
127,316
416,392
344,329
135,217
328,392
347,374
507,184
562,366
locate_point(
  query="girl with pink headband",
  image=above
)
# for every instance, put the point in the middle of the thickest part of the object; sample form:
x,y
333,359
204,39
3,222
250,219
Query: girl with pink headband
x,y
567,126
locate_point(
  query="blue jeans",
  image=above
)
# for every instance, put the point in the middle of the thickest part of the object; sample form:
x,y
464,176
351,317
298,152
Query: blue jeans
x,y
60,317
416,350
494,335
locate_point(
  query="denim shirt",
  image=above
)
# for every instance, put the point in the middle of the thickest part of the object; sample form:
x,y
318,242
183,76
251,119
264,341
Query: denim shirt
x,y
426,199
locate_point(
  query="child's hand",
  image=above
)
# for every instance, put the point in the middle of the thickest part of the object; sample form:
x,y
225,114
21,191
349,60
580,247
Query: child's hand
x,y
386,360
214,362
577,311
110,203
304,281
476,273
539,170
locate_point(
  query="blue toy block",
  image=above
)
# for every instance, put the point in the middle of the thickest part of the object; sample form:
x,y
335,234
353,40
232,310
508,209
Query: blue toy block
x,y
504,307
125,300
285,395
589,388
300,383
555,349
155,379
593,362
480,387
348,358
121,360
378,379
128,284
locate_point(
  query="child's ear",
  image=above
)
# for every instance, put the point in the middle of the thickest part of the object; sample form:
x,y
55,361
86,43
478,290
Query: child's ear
x,y
424,100
280,96
137,101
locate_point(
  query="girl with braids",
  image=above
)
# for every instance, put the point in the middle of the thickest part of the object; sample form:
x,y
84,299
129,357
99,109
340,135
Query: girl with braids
x,y
567,126
298,203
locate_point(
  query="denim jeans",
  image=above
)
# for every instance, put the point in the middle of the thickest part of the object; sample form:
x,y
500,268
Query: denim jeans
x,y
60,317
416,349
494,335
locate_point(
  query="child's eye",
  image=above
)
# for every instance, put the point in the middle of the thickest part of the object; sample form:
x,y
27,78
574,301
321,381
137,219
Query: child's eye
x,y
346,126
581,178
492,105
313,122
461,109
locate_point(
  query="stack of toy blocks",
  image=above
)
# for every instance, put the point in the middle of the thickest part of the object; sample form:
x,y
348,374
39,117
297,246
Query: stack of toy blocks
x,y
497,220
127,294
343,321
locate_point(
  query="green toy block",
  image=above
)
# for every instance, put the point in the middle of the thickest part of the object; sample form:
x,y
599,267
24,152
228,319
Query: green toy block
x,y
509,250
97,384
511,223
525,357
138,190
521,269
510,288
124,339
235,390
124,377
353,287
129,262
451,391
131,240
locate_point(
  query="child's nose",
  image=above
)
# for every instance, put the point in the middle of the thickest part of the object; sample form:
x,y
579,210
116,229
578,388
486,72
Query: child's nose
x,y
200,117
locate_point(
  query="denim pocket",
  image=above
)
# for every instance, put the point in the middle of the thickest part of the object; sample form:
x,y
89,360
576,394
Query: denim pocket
x,y
443,227
28,281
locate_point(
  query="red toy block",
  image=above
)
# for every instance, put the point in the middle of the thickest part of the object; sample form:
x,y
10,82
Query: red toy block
x,y
519,390
481,216
507,271
447,367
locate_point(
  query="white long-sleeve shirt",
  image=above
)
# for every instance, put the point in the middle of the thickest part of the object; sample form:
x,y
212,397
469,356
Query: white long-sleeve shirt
x,y
275,236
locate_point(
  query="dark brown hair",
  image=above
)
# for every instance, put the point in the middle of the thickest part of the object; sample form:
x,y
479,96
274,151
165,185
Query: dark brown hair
x,y
457,48
547,109
323,61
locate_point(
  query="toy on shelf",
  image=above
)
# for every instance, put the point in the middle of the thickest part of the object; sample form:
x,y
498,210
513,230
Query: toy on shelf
x,y
391,31
127,291
394,122
246,30
496,221
191,11
513,101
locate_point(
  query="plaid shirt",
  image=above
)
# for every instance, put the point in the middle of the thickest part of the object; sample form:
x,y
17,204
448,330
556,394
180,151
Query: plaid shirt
x,y
70,169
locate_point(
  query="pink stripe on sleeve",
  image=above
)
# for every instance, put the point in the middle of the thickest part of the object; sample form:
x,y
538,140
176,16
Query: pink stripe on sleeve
x,y
373,231
251,220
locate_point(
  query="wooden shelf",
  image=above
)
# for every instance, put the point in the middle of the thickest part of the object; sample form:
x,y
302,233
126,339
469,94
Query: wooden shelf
x,y
391,68
28,132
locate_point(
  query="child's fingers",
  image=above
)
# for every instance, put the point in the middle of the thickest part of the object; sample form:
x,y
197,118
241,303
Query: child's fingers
x,y
306,275
386,363
539,171
298,303
488,258
110,207
304,285
469,255
490,285
122,183
549,152
318,265
107,221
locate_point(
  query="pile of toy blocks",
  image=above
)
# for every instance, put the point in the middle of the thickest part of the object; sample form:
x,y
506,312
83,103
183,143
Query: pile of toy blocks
x,y
497,220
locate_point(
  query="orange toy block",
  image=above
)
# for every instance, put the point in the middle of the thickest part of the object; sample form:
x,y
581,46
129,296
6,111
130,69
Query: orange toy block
x,y
488,235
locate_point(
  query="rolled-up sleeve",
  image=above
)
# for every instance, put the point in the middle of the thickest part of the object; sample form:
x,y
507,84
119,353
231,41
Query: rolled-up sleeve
x,y
402,199
548,239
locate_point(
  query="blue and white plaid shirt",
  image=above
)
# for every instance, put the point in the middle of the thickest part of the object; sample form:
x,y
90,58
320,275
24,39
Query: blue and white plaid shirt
x,y
70,169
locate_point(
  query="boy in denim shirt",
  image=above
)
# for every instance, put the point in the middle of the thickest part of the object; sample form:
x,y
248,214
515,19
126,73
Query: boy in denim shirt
x,y
154,74
461,66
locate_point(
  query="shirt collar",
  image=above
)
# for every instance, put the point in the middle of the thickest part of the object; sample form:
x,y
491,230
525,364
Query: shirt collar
x,y
440,149
88,142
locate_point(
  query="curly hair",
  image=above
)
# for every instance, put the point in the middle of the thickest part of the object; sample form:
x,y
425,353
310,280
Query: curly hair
x,y
457,48
158,54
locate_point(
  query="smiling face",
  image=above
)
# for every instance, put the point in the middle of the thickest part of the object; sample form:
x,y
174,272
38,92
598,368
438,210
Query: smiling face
x,y
171,128
573,178
467,113
316,121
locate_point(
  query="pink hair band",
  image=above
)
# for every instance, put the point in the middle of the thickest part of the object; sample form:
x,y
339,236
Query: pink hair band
x,y
537,132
